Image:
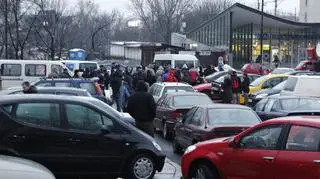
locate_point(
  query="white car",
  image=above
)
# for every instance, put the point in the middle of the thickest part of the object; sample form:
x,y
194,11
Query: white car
x,y
18,168
159,89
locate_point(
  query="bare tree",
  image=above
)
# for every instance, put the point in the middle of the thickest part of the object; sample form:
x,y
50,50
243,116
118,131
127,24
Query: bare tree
x,y
161,17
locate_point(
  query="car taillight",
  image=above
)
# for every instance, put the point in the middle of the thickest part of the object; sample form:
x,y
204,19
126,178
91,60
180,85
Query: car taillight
x,y
176,115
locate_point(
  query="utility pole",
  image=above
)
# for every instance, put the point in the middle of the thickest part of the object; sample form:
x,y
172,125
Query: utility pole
x,y
261,33
6,28
275,7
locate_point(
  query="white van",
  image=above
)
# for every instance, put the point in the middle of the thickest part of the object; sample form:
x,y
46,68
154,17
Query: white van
x,y
176,60
14,72
305,86
73,65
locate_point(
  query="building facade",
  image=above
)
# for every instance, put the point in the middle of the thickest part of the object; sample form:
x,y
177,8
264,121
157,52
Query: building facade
x,y
238,31
309,11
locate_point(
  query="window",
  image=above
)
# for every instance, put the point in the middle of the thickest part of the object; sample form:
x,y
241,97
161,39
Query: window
x,y
62,84
291,84
11,70
232,117
90,87
189,101
8,108
41,114
44,84
166,102
261,104
197,118
90,66
83,118
303,139
173,89
35,70
269,105
263,138
189,115
58,68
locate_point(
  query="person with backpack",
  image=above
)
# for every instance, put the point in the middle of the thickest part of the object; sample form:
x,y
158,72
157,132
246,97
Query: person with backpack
x,y
236,87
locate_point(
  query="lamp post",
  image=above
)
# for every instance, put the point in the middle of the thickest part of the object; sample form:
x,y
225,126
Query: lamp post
x,y
261,33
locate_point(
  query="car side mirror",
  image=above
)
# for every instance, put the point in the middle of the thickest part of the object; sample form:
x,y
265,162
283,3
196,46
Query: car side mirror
x,y
234,143
104,130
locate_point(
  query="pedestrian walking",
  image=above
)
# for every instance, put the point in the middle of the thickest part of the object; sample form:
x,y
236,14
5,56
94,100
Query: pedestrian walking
x,y
171,76
236,88
116,80
124,95
245,87
27,88
142,107
276,61
159,73
227,89
194,74
101,82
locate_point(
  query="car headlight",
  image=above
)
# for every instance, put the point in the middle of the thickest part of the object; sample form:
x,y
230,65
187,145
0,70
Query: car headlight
x,y
156,145
190,149
262,96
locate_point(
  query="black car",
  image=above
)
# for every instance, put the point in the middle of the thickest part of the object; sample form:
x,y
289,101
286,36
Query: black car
x,y
280,106
217,85
253,99
75,136
90,85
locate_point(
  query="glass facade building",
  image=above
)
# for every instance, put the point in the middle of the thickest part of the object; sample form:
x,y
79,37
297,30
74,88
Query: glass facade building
x,y
238,32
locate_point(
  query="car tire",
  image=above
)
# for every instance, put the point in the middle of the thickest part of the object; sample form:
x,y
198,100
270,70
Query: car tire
x,y
204,171
176,147
141,166
165,132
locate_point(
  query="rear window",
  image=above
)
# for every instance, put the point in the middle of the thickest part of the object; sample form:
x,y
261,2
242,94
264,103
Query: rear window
x,y
291,84
174,89
189,101
232,117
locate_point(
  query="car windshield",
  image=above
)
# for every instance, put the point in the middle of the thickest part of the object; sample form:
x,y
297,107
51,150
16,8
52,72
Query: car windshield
x,y
296,104
258,81
280,86
230,116
189,101
174,89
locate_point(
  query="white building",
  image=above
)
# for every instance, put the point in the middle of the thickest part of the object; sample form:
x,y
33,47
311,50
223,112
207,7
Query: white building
x,y
309,11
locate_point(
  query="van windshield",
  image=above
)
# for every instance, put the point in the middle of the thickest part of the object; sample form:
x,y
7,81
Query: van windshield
x,y
180,63
162,63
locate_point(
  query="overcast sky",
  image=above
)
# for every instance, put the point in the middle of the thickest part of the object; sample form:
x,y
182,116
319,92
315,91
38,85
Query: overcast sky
x,y
122,5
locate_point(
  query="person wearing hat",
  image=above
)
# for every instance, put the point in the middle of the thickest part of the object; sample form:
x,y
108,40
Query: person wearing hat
x,y
236,87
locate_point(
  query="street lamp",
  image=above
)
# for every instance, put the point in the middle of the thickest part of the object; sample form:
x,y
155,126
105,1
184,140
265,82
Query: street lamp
x,y
261,33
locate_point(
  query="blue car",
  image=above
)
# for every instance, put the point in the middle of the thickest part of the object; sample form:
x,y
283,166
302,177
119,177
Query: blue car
x,y
91,85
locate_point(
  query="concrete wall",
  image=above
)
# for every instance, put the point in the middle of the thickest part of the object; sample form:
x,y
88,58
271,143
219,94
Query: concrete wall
x,y
309,11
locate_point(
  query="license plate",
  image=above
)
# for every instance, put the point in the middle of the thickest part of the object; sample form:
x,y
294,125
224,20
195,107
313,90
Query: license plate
x,y
250,100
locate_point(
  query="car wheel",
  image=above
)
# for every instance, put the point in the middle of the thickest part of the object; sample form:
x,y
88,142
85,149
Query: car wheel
x,y
176,147
204,171
165,132
142,167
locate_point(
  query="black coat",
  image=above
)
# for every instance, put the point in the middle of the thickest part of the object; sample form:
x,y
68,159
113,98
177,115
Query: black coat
x,y
227,90
142,107
245,85
116,79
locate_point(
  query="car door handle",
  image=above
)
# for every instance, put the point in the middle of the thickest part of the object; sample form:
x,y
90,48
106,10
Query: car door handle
x,y
317,161
268,158
73,140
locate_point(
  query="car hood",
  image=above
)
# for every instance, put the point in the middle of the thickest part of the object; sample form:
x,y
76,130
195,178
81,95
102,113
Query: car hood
x,y
217,141
15,164
202,86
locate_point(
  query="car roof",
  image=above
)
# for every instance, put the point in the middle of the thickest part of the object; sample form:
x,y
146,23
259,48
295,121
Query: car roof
x,y
301,120
69,79
306,76
223,106
290,97
45,97
276,75
186,94
172,84
69,89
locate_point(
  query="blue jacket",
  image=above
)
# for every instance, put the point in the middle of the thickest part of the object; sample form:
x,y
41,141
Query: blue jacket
x,y
124,95
165,76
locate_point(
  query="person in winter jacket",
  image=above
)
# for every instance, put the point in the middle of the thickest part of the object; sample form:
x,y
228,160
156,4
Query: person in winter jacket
x,y
28,88
227,89
236,87
194,74
171,76
142,107
124,95
245,87
159,73
208,71
116,79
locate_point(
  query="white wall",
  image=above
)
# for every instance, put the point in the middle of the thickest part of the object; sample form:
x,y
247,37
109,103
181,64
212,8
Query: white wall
x,y
133,53
309,11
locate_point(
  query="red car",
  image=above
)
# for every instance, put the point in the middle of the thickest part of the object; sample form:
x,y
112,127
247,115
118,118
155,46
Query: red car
x,y
307,65
256,68
206,122
278,149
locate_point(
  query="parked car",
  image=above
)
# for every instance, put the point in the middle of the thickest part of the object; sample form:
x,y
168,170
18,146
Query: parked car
x,y
307,65
256,68
282,70
279,106
15,168
91,85
50,90
159,89
217,91
299,73
302,86
266,82
83,137
254,98
272,149
172,106
206,122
